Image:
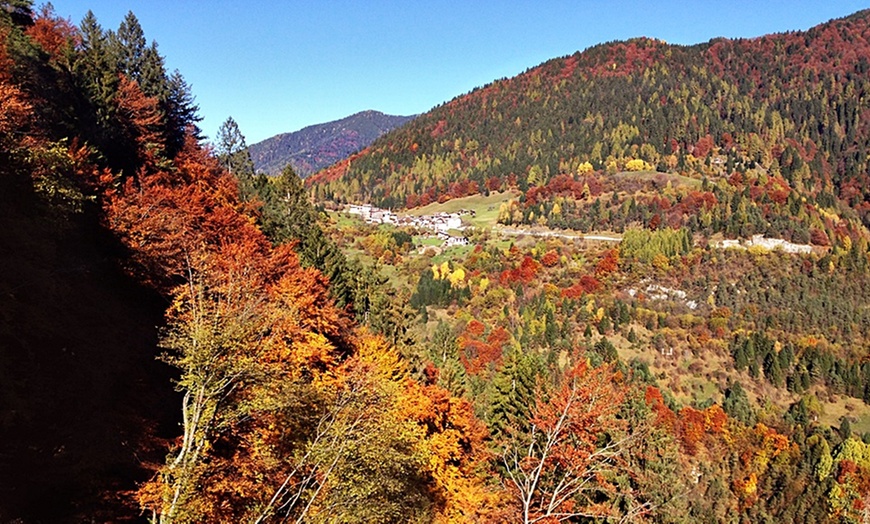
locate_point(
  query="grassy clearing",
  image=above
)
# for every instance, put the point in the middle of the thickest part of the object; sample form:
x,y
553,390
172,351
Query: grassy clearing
x,y
421,240
501,243
703,390
392,274
453,253
484,207
854,409
344,220
388,271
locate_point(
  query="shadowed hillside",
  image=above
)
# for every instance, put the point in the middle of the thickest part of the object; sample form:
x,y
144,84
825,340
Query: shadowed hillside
x,y
84,403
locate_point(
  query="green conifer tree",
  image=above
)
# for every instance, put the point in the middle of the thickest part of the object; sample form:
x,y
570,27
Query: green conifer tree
x,y
736,404
96,66
128,46
233,154
513,395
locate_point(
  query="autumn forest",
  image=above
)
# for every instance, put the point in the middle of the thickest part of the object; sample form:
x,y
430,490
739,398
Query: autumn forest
x,y
656,308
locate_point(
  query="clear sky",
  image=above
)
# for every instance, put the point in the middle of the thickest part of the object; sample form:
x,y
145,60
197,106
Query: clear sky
x,y
278,66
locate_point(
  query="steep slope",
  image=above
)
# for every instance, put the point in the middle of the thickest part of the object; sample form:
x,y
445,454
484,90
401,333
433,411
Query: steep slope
x,y
315,147
787,109
100,267
84,405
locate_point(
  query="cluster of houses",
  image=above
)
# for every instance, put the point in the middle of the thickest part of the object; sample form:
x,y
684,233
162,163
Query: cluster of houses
x,y
439,223
450,240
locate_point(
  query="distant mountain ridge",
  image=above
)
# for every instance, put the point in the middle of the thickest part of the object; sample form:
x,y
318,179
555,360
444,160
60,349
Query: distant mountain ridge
x,y
315,147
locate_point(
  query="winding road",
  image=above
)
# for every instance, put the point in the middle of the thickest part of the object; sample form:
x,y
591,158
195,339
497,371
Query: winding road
x,y
549,233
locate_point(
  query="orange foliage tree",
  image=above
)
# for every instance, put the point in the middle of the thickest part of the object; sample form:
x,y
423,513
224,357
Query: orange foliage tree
x,y
15,109
476,354
574,441
608,264
287,412
586,284
55,35
695,424
524,273
166,216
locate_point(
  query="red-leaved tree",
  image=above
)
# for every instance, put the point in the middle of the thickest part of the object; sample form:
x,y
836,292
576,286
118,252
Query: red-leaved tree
x,y
573,442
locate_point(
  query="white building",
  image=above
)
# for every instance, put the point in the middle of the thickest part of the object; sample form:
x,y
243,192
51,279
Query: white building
x,y
365,211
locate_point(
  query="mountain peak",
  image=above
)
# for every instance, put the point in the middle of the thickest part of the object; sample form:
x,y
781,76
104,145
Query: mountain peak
x,y
317,146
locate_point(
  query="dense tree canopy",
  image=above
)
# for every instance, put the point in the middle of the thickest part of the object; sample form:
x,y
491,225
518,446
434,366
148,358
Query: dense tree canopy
x,y
536,380
740,137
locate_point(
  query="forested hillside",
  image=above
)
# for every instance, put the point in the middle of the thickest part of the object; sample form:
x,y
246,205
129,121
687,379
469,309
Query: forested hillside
x,y
771,135
749,361
187,341
311,149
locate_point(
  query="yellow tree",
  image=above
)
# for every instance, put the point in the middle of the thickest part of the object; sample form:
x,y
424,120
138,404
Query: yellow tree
x,y
584,168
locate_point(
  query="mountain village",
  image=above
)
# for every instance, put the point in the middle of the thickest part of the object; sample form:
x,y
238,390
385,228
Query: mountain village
x,y
441,223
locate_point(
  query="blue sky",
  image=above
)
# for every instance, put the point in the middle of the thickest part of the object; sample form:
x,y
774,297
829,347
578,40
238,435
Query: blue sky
x,y
282,65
